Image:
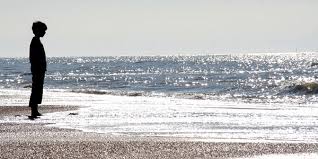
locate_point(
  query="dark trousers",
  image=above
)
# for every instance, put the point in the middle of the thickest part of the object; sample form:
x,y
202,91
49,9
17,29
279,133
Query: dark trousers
x,y
37,89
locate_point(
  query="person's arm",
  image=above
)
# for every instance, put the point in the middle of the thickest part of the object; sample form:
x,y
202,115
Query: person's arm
x,y
37,56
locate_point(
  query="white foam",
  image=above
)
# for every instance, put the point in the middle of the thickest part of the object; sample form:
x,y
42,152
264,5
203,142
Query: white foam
x,y
206,120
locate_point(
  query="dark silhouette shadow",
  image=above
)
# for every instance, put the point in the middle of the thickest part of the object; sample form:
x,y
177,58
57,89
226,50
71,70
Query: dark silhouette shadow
x,y
38,67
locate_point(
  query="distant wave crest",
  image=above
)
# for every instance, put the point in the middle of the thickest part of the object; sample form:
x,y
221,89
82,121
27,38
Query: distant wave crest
x,y
104,92
305,88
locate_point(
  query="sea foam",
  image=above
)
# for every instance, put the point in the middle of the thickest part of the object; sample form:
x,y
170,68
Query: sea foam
x,y
205,120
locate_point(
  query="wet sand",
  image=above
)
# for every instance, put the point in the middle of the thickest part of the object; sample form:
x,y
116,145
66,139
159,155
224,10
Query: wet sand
x,y
40,141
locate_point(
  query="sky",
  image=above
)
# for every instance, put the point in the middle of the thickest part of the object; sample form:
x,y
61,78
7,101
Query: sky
x,y
159,27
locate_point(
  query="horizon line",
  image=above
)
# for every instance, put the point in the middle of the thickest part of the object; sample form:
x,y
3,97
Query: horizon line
x,y
183,54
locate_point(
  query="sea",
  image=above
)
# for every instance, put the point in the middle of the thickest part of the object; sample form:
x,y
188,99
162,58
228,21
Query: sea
x,y
227,97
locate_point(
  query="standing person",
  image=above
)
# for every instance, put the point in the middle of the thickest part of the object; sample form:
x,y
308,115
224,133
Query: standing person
x,y
38,67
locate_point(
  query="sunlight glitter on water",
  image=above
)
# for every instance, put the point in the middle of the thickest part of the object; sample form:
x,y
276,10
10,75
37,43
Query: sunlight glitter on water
x,y
172,117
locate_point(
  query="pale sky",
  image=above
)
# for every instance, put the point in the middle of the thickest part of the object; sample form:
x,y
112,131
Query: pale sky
x,y
159,27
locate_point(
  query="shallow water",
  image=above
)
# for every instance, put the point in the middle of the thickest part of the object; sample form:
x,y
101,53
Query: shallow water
x,y
205,120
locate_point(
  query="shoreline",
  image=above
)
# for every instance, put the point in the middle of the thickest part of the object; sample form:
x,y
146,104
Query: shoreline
x,y
27,140
25,110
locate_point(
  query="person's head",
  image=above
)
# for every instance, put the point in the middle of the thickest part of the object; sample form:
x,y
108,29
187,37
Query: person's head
x,y
39,29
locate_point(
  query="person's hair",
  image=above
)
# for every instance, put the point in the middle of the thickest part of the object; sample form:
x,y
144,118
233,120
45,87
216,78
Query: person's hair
x,y
38,26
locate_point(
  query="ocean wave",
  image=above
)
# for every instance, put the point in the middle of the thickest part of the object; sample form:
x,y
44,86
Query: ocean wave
x,y
105,92
305,88
196,96
26,74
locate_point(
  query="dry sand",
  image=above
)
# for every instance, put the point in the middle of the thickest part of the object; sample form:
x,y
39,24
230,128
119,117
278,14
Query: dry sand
x,y
40,141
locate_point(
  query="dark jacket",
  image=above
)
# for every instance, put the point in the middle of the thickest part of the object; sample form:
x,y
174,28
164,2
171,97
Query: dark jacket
x,y
37,56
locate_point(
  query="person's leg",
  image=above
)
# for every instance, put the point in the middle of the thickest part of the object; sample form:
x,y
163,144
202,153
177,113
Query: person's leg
x,y
34,110
40,88
36,94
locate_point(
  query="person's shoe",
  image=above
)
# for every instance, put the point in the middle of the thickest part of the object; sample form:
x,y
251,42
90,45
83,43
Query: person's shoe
x,y
32,117
38,114
34,111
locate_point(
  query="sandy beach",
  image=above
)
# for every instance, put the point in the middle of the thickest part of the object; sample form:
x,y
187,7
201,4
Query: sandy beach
x,y
39,141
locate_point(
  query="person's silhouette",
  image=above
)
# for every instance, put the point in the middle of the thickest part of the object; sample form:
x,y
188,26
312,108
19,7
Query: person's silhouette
x,y
38,67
